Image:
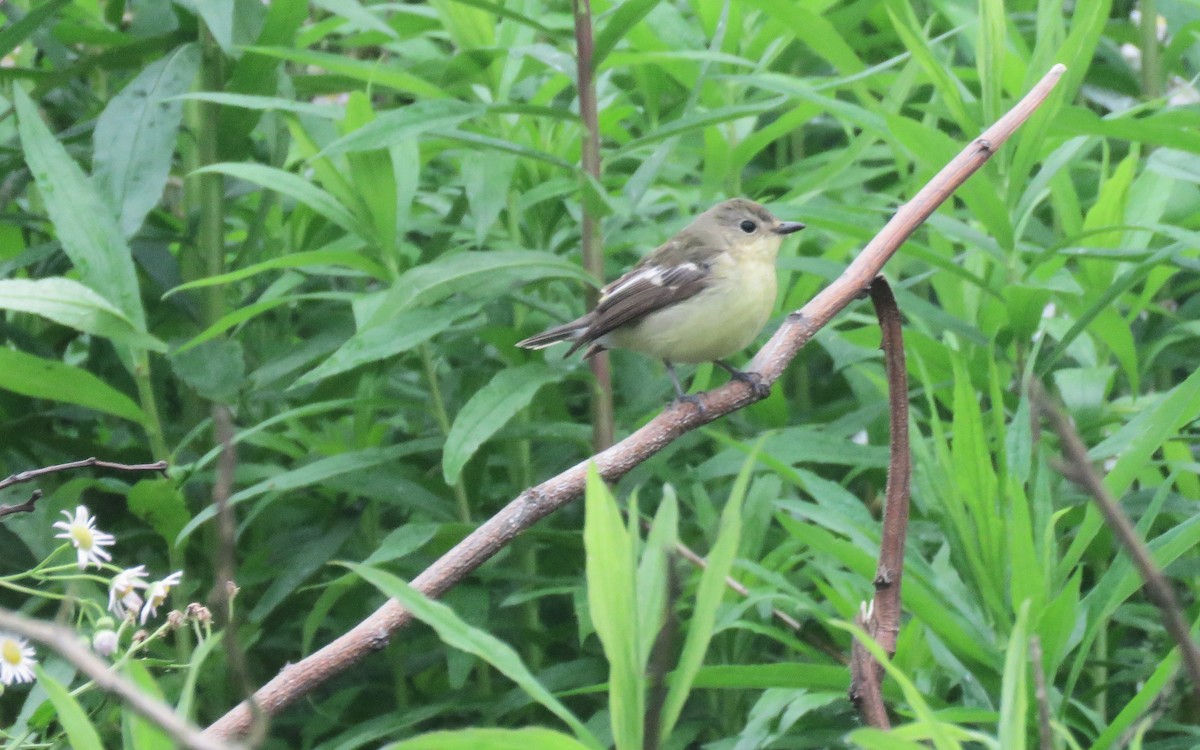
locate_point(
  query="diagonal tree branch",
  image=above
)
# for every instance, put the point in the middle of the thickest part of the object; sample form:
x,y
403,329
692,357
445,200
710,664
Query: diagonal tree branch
x,y
374,632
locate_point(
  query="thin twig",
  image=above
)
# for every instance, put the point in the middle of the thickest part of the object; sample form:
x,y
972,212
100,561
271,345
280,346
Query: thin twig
x,y
32,474
65,642
224,589
882,618
535,503
593,244
1158,588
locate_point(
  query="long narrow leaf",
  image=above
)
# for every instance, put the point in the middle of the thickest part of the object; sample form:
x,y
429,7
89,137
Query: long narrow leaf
x,y
455,632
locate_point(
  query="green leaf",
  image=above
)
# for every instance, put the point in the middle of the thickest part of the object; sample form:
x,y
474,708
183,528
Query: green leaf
x,y
403,124
453,631
315,473
160,504
308,259
619,22
45,378
357,15
612,604
374,72
297,562
143,733
266,103
479,274
708,599
529,738
81,733
1014,692
85,224
298,188
383,340
489,409
216,369
15,32
134,142
69,303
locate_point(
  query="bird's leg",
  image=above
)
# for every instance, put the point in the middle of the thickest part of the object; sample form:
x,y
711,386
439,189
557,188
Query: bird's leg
x,y
679,394
752,379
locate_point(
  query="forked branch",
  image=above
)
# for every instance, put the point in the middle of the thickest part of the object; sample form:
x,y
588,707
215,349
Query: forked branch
x,y
373,633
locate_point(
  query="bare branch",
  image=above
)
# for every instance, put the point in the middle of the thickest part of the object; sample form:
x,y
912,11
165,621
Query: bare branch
x,y
65,642
1158,588
32,474
882,617
373,633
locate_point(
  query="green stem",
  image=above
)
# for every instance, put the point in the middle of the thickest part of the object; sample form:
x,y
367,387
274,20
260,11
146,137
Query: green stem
x,y
1151,65
151,422
443,421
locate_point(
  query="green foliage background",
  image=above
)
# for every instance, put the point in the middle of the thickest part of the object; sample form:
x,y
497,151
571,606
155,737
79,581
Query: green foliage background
x,y
337,219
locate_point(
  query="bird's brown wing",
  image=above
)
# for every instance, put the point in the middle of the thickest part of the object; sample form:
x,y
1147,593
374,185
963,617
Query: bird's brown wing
x,y
643,290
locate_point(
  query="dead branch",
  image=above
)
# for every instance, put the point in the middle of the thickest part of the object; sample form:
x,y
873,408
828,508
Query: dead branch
x,y
374,632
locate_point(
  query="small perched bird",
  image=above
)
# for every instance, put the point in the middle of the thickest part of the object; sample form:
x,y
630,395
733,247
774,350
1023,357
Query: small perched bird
x,y
701,296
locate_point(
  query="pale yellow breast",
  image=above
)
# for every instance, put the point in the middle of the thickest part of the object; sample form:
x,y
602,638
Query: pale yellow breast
x,y
716,323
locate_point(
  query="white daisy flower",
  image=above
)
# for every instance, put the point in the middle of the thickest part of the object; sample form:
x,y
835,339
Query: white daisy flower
x,y
16,660
122,592
157,594
89,541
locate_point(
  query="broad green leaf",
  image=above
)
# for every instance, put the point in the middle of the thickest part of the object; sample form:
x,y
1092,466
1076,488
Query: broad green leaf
x,y
298,188
134,142
83,221
383,340
52,380
216,369
218,17
488,183
69,303
160,504
612,604
453,631
530,738
488,410
403,124
81,733
478,274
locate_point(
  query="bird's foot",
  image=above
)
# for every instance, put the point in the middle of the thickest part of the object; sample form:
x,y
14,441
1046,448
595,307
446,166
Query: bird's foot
x,y
691,398
760,389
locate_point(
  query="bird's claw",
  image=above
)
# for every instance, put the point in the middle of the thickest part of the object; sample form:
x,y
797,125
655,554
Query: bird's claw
x,y
760,389
693,399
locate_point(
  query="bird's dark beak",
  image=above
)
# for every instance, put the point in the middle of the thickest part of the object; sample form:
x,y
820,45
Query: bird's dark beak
x,y
787,227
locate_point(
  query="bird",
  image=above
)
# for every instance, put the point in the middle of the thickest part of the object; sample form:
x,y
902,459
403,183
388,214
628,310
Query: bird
x,y
701,296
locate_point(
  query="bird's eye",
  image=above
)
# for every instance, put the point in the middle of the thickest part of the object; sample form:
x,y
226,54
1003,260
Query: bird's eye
x,y
748,226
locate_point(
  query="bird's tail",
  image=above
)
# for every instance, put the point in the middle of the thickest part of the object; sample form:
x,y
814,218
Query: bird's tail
x,y
566,332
